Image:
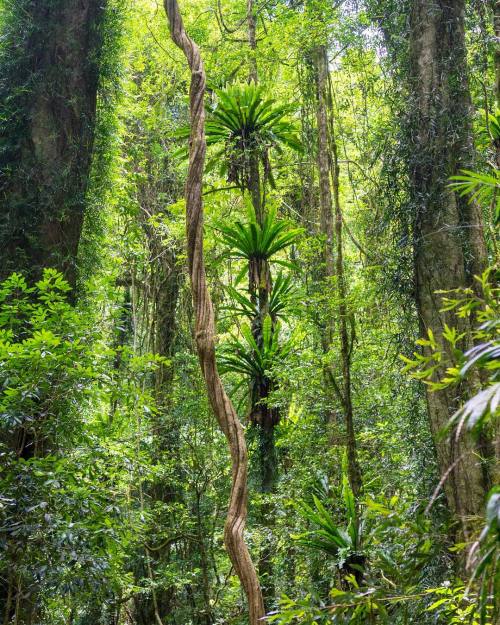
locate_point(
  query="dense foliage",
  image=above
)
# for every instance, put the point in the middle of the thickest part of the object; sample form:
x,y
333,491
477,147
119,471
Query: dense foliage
x,y
114,477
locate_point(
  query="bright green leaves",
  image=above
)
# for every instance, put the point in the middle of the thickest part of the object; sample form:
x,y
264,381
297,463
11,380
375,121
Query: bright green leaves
x,y
341,543
482,361
244,117
483,561
483,187
250,240
64,488
327,538
455,606
434,368
493,124
257,348
480,187
246,357
244,123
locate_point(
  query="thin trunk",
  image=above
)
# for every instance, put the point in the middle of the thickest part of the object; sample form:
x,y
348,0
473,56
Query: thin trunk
x,y
448,241
8,601
329,182
205,325
123,332
261,415
495,474
346,335
252,41
254,185
207,615
325,191
160,296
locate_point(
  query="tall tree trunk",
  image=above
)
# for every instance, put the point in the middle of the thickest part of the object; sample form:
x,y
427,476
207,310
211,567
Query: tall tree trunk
x,y
346,334
50,72
320,71
262,416
329,181
496,62
205,325
325,191
252,41
448,240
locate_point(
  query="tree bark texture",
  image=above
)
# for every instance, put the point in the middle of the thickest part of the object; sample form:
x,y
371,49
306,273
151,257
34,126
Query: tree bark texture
x,y
205,325
48,89
448,238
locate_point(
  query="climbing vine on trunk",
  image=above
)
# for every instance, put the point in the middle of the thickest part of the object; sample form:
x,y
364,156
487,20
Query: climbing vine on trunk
x,y
205,324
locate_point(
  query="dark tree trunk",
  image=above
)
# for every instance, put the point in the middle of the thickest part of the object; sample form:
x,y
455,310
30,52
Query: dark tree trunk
x,y
448,237
263,417
495,5
346,330
48,89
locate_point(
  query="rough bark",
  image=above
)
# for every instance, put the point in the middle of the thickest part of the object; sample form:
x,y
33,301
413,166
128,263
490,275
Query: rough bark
x,y
448,239
50,73
325,208
205,325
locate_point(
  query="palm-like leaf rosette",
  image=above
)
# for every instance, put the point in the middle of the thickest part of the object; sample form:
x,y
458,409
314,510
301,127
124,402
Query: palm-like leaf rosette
x,y
244,123
250,240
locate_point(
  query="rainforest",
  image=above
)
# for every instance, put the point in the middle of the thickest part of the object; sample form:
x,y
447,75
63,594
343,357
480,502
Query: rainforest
x,y
249,312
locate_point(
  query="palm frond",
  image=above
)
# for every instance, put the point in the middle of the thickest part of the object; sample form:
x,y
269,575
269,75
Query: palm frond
x,y
248,358
250,240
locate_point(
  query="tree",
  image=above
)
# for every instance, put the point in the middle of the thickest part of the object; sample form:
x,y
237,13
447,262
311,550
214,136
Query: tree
x,y
249,125
50,64
447,237
331,223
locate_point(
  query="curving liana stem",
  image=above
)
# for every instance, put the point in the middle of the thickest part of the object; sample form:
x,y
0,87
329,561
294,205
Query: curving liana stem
x,y
205,325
